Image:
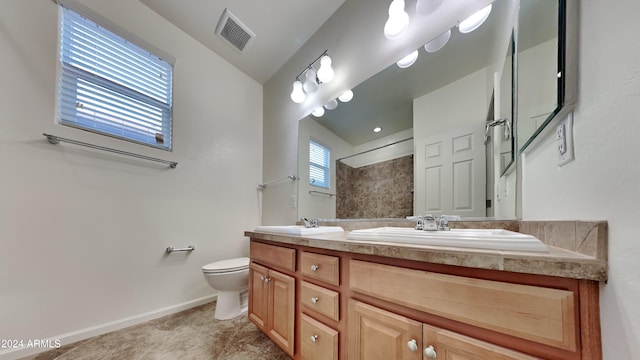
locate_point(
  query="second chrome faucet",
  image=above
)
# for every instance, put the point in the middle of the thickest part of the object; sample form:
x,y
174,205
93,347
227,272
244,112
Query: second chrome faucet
x,y
431,223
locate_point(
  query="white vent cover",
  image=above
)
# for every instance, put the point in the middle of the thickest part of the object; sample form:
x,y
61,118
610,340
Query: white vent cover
x,y
234,31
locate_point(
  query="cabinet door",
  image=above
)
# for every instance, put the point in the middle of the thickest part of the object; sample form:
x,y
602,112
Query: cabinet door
x,y
258,296
448,345
376,334
282,310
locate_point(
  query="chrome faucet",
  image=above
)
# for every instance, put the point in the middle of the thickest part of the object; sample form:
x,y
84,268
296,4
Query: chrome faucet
x,y
426,223
431,223
310,223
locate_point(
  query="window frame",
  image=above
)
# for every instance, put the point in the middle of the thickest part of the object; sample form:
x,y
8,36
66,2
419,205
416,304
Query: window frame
x,y
326,169
71,77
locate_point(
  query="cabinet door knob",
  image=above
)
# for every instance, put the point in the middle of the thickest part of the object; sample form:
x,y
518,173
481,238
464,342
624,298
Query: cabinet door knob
x,y
314,338
315,267
314,300
412,345
430,352
266,279
262,277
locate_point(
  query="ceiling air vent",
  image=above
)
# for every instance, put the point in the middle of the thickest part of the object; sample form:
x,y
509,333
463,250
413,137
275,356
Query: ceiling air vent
x,y
234,31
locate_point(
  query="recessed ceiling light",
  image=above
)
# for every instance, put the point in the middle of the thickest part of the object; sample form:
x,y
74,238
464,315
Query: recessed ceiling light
x,y
377,129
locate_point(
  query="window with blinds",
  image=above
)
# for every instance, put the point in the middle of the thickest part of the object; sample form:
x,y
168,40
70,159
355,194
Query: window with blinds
x,y
319,170
111,86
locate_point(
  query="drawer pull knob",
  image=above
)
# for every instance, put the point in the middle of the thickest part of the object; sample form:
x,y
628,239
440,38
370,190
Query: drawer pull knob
x,y
315,267
314,338
430,352
314,300
412,345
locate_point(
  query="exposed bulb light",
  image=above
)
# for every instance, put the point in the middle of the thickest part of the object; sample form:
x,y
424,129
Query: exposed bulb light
x,y
426,7
346,96
331,104
297,95
438,43
474,21
318,112
398,20
310,84
408,60
325,72
377,129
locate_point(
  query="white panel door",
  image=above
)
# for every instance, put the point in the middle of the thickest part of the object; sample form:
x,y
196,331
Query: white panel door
x,y
452,169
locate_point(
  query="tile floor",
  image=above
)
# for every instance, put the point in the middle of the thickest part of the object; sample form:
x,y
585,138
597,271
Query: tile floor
x,y
189,335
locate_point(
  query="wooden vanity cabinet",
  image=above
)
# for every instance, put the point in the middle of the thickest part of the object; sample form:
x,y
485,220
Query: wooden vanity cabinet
x,y
272,300
351,306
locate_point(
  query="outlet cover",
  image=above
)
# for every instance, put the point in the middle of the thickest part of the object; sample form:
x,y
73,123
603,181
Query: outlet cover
x,y
564,139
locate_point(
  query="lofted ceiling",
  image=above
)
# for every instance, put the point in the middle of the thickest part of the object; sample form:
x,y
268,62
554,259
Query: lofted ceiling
x,y
281,28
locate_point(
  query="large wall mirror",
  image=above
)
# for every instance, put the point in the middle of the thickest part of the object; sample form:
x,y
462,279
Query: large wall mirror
x,y
546,65
446,141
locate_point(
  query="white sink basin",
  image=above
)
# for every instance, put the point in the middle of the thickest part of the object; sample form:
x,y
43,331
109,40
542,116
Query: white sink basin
x,y
298,229
491,239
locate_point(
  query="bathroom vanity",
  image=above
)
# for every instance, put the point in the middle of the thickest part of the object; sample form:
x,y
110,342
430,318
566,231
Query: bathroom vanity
x,y
327,297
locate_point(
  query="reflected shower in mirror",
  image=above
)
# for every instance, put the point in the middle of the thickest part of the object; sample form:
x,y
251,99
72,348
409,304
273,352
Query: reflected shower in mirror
x,y
434,113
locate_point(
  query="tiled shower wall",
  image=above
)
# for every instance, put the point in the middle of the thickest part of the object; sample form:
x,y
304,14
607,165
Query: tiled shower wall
x,y
382,190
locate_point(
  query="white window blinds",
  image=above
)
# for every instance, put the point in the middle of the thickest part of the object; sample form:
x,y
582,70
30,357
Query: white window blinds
x,y
319,157
111,86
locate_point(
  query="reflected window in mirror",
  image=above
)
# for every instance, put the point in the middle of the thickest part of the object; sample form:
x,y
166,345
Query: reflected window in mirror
x,y
319,160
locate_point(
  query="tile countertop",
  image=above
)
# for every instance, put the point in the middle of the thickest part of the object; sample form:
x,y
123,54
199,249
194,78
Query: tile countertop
x,y
577,249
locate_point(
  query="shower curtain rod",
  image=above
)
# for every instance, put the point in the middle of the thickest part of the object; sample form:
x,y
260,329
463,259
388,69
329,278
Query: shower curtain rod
x,y
378,148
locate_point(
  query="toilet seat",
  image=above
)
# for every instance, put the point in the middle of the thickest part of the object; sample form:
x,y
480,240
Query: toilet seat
x,y
226,266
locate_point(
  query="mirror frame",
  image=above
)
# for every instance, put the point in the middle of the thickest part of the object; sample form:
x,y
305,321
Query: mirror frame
x,y
567,66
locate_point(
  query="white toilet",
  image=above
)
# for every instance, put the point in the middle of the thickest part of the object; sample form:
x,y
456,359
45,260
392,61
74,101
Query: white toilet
x,y
231,278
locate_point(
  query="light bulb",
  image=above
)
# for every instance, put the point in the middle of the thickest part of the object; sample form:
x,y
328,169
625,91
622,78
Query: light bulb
x,y
398,20
346,96
331,104
474,21
310,85
297,95
439,42
318,112
325,72
408,60
377,129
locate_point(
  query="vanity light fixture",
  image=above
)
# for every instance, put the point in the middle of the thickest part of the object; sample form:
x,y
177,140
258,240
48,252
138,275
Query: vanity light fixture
x,y
318,112
331,104
346,96
438,43
408,60
475,20
398,20
312,78
377,129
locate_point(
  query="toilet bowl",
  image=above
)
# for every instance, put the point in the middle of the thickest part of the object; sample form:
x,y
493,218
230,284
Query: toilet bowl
x,y
231,278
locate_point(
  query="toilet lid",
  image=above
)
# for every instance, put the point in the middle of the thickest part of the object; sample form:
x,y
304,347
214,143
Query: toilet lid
x,y
227,265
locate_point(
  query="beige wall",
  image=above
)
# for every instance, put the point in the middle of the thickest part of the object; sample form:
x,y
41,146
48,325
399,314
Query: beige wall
x,y
603,181
83,232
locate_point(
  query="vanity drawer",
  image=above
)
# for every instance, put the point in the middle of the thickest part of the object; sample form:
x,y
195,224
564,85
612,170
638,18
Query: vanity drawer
x,y
321,267
276,256
539,314
317,341
321,300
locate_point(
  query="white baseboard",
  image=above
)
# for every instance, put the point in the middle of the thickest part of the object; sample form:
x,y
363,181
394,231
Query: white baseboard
x,y
73,336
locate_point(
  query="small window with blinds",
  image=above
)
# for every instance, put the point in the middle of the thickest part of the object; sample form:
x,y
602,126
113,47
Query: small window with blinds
x,y
111,86
319,160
